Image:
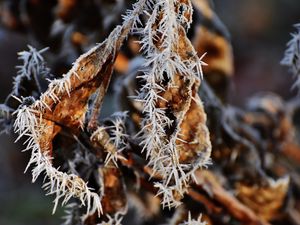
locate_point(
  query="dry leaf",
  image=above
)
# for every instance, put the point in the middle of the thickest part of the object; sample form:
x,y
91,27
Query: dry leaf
x,y
266,201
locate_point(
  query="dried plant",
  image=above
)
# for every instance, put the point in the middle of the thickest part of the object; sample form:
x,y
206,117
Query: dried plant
x,y
176,152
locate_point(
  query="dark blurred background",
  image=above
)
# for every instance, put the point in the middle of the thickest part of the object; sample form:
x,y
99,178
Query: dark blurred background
x,y
259,31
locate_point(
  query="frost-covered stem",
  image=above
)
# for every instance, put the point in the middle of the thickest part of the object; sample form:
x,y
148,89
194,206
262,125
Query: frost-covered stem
x,y
158,58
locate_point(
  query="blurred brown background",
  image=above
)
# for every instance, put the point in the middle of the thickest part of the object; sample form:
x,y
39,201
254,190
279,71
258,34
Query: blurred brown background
x,y
259,31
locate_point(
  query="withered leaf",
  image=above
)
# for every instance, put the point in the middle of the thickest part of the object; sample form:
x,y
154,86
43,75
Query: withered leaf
x,y
184,103
65,101
209,182
266,201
